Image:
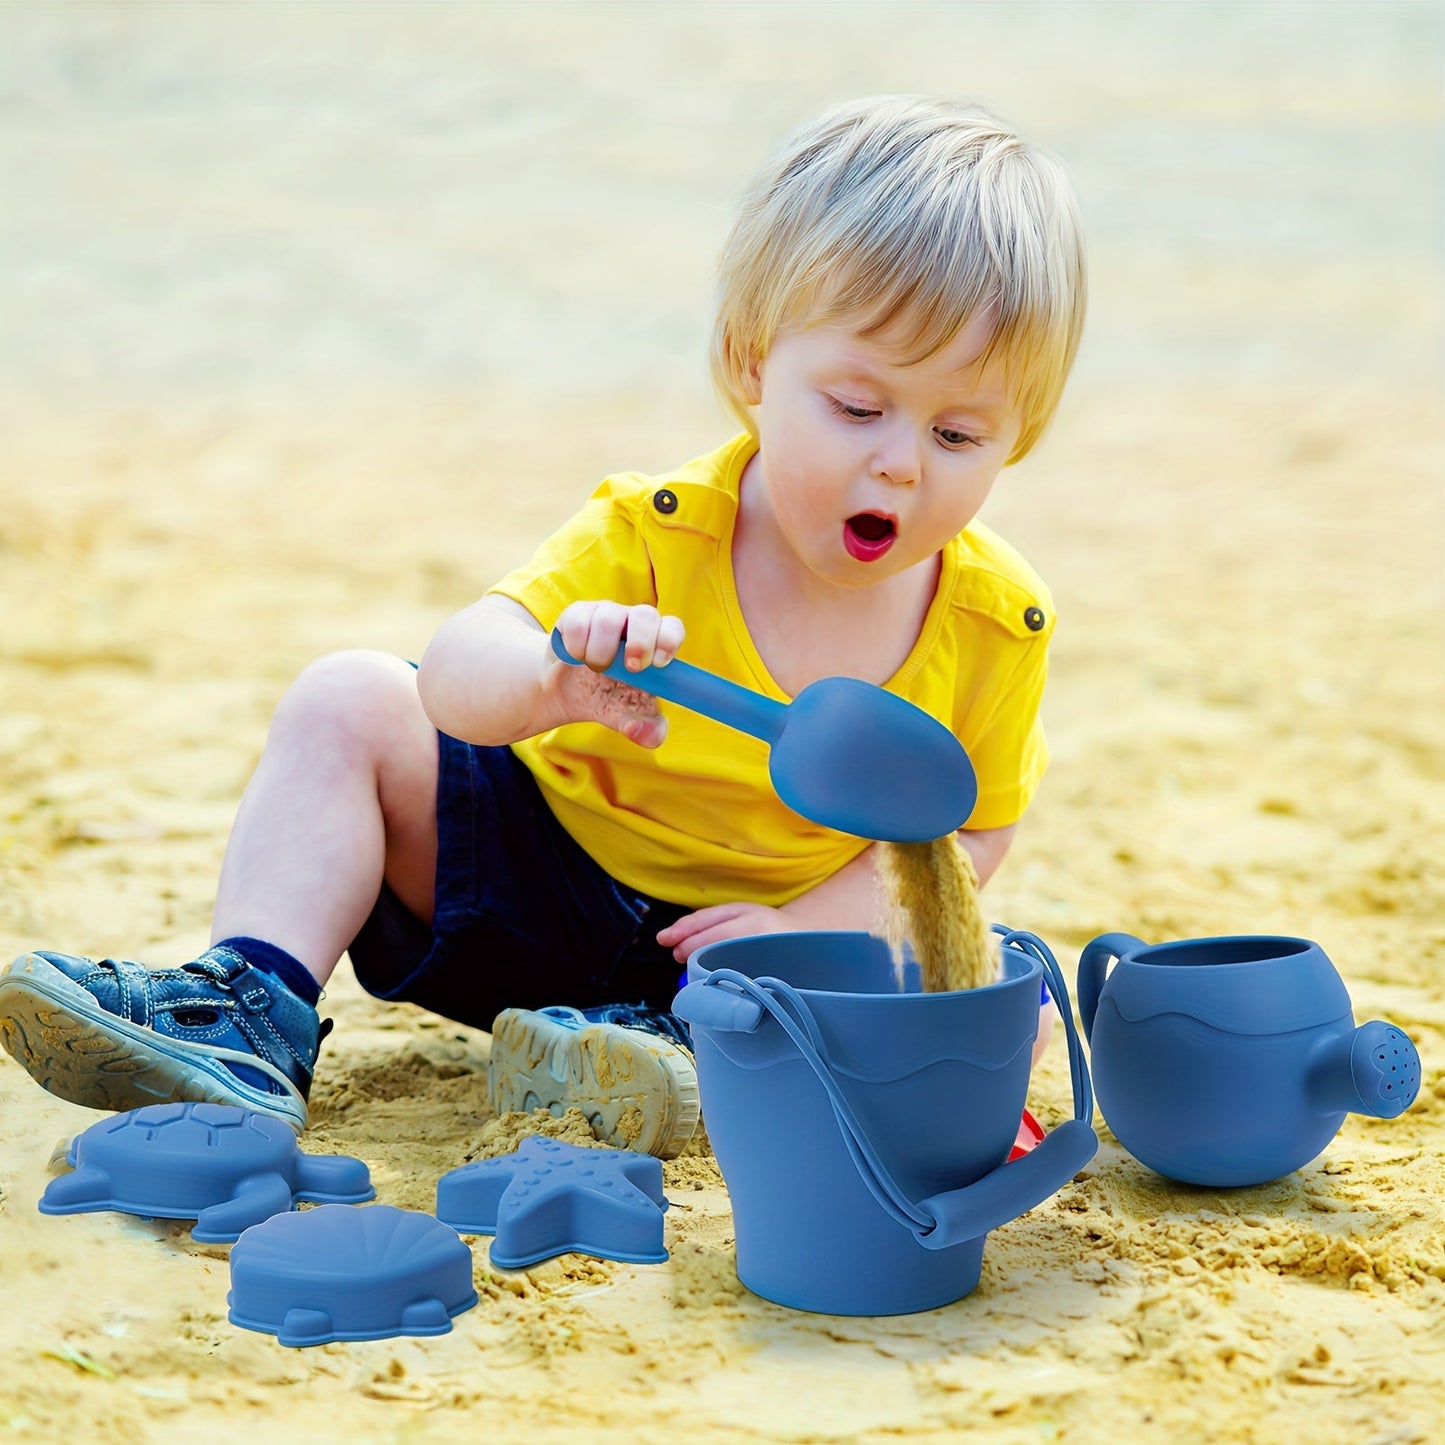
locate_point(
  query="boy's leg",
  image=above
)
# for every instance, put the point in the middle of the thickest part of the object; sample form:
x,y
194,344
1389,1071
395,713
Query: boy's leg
x,y
343,796
524,918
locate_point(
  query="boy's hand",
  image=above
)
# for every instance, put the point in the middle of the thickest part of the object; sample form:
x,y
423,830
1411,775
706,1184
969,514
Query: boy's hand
x,y
592,632
722,920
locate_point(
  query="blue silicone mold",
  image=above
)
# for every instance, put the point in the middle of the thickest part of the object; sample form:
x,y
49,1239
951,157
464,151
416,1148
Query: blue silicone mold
x,y
224,1167
335,1273
553,1198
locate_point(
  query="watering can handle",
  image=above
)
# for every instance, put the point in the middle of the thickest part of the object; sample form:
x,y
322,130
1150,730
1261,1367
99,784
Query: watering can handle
x,y
722,999
1094,964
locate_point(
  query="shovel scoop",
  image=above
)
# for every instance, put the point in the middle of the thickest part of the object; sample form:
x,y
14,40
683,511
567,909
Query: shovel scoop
x,y
843,753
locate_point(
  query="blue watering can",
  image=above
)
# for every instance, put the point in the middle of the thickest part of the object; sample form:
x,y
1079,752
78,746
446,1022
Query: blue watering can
x,y
1232,1061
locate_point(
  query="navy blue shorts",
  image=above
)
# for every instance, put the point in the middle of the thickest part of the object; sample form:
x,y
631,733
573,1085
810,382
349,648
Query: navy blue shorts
x,y
524,917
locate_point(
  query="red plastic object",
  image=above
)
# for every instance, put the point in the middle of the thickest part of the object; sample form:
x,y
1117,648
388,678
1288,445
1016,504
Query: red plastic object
x,y
1030,1136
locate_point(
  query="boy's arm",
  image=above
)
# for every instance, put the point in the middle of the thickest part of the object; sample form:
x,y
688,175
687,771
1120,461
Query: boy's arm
x,y
847,900
987,847
489,675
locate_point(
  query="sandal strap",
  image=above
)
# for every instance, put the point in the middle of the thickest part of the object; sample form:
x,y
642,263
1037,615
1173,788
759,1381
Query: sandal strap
x,y
133,984
231,970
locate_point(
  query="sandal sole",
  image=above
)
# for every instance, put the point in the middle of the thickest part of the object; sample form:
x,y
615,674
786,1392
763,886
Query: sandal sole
x,y
636,1090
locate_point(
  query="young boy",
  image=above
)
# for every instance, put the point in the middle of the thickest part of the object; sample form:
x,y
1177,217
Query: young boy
x,y
901,298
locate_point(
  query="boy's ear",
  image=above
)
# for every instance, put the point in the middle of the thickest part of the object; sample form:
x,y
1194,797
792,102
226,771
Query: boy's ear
x,y
747,369
750,374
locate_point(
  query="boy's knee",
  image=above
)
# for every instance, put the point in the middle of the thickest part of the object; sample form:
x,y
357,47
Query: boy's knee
x,y
352,693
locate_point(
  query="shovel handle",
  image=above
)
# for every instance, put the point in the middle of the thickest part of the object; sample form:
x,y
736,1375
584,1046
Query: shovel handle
x,y
699,691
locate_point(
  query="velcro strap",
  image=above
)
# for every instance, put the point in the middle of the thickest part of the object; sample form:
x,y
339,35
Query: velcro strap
x,y
248,983
133,983
250,986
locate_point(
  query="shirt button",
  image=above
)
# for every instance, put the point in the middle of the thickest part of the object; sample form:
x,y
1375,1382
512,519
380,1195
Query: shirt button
x,y
1034,619
665,501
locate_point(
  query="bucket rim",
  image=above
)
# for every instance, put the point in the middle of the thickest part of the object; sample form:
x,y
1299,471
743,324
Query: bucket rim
x,y
1012,953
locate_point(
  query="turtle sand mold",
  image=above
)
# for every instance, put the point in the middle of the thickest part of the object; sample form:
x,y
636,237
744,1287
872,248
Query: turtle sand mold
x,y
224,1167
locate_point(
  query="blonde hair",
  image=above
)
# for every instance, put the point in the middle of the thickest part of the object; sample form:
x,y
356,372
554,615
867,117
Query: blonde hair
x,y
906,217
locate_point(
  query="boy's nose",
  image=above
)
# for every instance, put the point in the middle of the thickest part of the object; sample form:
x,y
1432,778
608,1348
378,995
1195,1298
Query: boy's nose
x,y
896,457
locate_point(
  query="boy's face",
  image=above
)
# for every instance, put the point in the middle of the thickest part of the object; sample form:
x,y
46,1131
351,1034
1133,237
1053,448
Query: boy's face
x,y
868,465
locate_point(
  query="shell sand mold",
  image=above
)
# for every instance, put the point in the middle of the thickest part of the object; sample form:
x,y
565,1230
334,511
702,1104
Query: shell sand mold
x,y
930,900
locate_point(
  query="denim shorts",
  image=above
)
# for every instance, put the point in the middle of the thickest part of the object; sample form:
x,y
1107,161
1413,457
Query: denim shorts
x,y
524,917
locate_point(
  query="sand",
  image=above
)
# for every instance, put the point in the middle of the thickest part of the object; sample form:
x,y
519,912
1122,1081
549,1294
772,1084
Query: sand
x,y
315,324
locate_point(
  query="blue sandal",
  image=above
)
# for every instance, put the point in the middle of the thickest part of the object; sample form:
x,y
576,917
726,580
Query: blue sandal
x,y
118,1035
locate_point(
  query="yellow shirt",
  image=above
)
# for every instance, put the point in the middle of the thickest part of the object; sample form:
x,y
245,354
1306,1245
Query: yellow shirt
x,y
696,821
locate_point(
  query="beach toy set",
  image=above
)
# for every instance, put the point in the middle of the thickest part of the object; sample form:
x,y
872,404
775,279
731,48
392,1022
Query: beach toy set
x,y
868,1131
344,1273
856,1117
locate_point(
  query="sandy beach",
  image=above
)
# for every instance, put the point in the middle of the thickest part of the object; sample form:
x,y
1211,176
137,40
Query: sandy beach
x,y
316,319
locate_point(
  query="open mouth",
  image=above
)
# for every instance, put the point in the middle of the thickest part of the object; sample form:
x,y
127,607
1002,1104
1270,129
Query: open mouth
x,y
868,535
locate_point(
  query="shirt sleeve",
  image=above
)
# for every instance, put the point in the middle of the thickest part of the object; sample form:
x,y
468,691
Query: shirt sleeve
x,y
599,555
1008,749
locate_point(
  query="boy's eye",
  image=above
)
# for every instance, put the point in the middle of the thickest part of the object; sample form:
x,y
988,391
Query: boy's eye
x,y
851,409
949,437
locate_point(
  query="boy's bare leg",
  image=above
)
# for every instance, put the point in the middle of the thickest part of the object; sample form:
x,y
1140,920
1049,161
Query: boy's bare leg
x,y
344,795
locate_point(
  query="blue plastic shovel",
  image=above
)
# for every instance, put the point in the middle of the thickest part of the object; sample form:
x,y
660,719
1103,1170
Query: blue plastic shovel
x,y
844,753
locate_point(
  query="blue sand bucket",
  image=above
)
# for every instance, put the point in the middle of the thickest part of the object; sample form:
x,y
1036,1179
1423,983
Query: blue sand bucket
x,y
863,1126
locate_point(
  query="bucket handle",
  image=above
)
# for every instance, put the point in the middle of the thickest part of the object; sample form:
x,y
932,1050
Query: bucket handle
x,y
955,1215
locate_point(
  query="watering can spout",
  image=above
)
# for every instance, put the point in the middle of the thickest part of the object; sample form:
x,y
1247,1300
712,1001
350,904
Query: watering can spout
x,y
1373,1070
